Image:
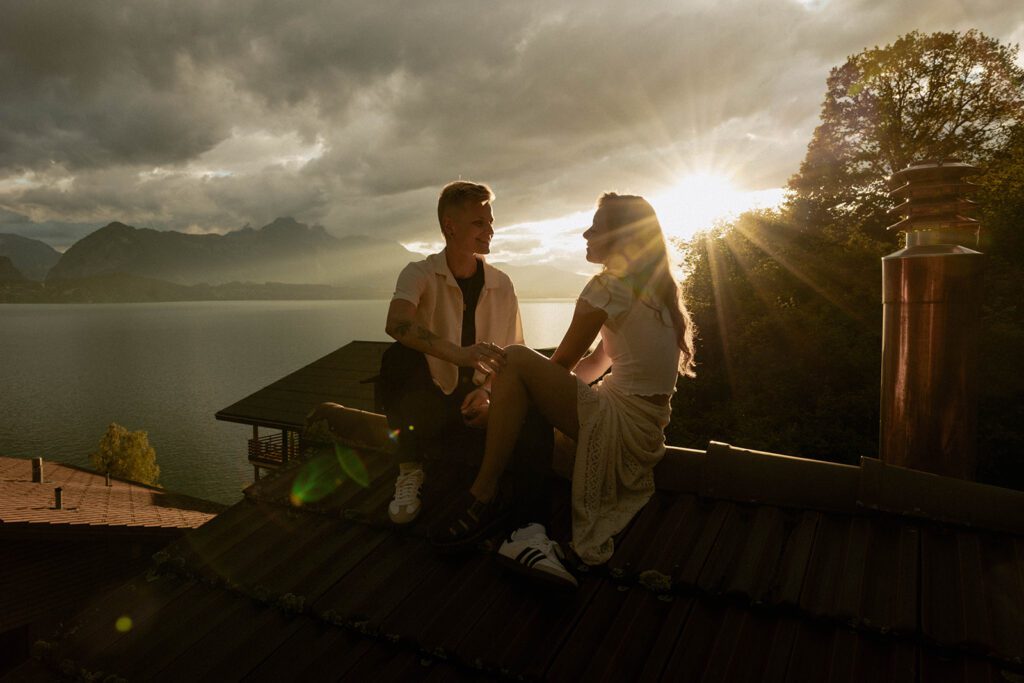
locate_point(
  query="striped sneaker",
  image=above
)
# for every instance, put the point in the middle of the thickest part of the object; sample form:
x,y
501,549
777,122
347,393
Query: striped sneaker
x,y
529,551
405,506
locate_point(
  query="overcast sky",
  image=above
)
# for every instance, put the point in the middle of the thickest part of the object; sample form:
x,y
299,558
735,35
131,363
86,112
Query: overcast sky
x,y
206,115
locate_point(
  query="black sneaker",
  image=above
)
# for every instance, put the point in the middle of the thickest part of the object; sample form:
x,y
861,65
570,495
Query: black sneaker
x,y
474,522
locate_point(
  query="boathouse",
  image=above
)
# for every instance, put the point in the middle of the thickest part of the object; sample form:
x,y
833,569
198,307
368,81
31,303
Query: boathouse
x,y
280,409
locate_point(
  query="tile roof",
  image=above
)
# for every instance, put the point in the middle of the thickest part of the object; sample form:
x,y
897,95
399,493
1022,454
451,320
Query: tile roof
x,y
715,579
89,502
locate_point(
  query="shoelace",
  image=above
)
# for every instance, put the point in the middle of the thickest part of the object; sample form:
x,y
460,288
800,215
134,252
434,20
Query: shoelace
x,y
547,546
406,488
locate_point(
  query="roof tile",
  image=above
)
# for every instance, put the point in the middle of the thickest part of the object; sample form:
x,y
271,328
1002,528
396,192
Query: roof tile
x,y
87,500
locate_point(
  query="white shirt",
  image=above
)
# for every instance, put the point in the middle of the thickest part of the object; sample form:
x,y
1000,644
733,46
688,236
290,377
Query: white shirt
x,y
431,287
640,340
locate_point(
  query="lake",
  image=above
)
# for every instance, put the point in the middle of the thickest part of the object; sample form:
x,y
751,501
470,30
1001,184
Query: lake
x,y
69,370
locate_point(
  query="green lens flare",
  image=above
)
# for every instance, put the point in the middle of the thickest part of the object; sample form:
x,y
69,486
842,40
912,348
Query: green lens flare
x,y
325,472
352,465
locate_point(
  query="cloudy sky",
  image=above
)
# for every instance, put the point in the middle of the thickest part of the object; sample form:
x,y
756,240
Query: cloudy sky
x,y
206,115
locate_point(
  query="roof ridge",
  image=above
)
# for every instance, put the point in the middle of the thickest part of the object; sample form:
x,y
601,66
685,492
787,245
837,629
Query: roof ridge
x,y
726,472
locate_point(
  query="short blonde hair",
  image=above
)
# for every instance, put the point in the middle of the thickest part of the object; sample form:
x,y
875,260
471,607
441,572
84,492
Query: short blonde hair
x,y
458,193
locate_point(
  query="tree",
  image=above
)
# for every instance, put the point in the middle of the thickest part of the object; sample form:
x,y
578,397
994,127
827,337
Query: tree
x,y
126,454
788,303
937,96
789,342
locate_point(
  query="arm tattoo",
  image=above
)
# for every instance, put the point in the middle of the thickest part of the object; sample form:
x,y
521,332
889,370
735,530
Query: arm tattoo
x,y
402,328
426,335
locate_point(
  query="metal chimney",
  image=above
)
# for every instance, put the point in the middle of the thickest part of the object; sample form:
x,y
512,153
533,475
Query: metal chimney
x,y
931,301
37,470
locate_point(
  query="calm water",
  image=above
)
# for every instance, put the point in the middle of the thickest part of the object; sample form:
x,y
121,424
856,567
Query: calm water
x,y
68,370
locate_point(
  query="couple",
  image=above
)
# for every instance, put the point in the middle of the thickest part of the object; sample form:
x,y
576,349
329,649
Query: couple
x,y
460,362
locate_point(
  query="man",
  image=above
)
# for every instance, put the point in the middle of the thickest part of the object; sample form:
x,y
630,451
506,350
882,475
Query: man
x,y
452,313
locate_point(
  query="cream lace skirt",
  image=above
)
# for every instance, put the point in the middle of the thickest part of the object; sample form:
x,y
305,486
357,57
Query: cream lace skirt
x,y
621,439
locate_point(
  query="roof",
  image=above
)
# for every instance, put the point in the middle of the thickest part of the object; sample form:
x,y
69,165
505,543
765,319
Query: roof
x,y
89,503
54,560
339,377
744,566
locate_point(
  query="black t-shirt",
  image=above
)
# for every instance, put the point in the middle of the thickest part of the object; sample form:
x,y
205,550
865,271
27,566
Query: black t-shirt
x,y
471,288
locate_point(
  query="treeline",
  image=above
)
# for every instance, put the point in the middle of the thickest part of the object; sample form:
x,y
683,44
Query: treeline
x,y
788,302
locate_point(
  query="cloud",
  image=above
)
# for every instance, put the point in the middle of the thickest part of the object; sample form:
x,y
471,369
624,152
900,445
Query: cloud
x,y
209,115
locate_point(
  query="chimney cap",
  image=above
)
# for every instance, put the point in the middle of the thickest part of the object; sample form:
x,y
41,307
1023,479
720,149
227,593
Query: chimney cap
x,y
934,196
933,169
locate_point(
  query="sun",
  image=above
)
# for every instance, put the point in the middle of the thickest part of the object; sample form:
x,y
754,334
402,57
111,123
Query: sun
x,y
695,202
701,198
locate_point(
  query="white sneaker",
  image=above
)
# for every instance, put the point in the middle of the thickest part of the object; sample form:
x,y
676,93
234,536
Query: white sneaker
x,y
405,506
529,551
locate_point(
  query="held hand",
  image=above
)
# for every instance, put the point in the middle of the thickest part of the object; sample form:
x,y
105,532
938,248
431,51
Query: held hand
x,y
475,408
483,356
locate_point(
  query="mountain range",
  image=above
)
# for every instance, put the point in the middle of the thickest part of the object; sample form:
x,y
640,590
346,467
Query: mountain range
x,y
283,259
32,258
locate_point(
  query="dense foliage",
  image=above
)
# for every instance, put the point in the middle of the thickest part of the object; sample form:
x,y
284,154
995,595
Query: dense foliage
x,y
938,96
788,302
127,455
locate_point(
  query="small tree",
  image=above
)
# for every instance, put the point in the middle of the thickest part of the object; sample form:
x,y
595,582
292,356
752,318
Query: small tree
x,y
127,455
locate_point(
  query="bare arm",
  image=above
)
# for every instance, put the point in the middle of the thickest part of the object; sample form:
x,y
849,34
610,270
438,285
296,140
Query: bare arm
x,y
401,326
586,323
594,365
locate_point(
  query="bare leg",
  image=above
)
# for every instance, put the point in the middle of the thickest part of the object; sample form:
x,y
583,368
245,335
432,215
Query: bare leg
x,y
527,377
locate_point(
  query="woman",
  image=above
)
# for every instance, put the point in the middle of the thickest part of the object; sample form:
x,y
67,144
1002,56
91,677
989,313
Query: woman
x,y
646,340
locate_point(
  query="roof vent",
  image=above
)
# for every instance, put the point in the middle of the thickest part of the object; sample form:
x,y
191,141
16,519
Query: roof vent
x,y
935,207
931,298
37,470
58,498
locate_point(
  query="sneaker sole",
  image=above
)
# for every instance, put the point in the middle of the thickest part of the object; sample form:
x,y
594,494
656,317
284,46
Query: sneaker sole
x,y
406,522
547,578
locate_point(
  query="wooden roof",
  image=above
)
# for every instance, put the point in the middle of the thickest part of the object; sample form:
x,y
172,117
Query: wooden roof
x,y
744,566
337,377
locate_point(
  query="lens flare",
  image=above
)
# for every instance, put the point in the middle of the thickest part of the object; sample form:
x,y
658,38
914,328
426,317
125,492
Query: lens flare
x,y
325,472
123,624
352,465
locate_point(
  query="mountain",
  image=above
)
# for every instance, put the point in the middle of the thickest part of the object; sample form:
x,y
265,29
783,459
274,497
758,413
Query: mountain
x,y
284,251
8,273
31,257
543,282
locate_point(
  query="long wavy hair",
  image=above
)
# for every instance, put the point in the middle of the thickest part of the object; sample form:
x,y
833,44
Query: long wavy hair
x,y
640,258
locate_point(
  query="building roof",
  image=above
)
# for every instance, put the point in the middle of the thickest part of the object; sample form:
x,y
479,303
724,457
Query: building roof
x,y
744,566
89,502
54,560
339,377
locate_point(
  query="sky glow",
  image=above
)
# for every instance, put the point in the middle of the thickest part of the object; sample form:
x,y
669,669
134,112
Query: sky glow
x,y
207,117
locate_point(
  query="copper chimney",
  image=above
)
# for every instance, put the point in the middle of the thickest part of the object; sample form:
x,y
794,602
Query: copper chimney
x,y
931,301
